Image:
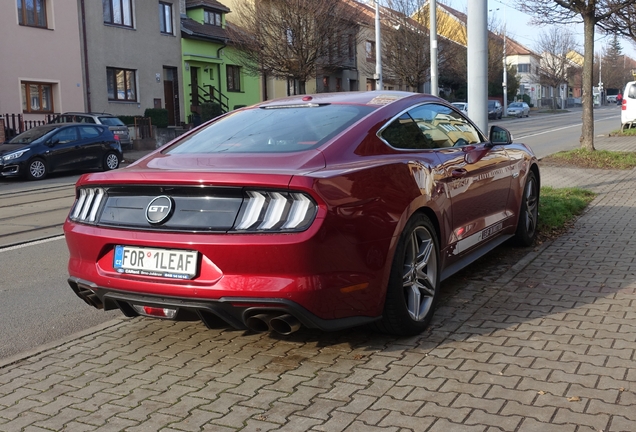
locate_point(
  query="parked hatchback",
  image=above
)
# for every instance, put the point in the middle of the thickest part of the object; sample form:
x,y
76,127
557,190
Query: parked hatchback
x,y
494,109
114,124
59,147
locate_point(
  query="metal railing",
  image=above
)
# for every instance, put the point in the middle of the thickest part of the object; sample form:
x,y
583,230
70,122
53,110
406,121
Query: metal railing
x,y
15,124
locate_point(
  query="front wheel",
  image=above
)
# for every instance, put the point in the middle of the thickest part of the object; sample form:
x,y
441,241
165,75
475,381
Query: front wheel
x,y
36,170
414,281
527,228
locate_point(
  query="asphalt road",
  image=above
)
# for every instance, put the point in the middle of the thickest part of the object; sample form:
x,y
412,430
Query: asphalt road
x,y
36,304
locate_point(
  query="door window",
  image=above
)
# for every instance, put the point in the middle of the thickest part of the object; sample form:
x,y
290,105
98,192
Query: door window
x,y
431,126
65,136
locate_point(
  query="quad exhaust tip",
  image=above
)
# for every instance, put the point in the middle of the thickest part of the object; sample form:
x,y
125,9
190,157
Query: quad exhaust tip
x,y
284,324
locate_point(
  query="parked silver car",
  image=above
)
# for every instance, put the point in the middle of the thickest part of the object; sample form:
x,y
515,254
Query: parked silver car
x,y
114,124
519,109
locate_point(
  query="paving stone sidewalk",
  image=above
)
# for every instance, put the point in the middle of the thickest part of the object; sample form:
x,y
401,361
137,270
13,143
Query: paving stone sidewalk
x,y
548,346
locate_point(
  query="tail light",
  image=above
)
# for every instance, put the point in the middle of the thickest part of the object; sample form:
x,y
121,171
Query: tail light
x,y
624,104
116,137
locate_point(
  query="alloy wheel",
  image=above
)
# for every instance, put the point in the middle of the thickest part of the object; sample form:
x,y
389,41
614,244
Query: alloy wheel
x,y
112,162
37,169
419,277
532,206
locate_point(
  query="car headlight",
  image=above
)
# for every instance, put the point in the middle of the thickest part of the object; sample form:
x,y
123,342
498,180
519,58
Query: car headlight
x,y
14,155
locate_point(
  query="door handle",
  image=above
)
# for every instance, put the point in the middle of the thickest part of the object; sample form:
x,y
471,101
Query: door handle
x,y
459,173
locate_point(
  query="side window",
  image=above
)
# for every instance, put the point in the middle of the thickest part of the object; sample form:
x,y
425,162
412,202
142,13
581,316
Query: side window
x,y
444,127
632,92
88,132
404,133
65,135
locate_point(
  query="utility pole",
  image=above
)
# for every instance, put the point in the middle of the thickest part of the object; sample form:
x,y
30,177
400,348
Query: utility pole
x,y
433,42
478,62
505,70
378,48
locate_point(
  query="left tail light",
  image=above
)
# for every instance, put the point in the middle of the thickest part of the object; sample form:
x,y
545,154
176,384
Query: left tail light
x,y
87,205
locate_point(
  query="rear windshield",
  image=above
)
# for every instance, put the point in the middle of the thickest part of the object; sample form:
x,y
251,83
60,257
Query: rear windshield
x,y
111,121
32,134
272,130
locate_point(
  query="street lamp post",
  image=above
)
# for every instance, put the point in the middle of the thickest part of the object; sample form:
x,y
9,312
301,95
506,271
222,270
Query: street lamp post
x,y
433,43
378,48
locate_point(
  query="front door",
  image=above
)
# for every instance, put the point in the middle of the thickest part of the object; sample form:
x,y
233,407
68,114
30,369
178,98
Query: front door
x,y
171,95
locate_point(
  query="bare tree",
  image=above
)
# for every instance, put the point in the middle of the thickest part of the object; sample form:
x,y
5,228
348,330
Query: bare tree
x,y
591,13
555,46
405,43
293,39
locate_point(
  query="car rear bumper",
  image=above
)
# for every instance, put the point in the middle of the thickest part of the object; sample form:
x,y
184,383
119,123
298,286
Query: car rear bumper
x,y
318,270
233,311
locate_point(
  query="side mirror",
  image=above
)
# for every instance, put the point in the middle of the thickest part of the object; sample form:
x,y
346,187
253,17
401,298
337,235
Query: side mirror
x,y
499,135
51,143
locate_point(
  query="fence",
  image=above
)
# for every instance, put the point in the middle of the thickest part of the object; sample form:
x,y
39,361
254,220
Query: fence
x,y
16,124
143,127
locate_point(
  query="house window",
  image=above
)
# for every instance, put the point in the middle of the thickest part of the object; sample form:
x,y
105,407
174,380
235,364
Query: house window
x,y
212,18
369,49
351,46
523,68
118,12
233,78
165,17
121,84
37,97
32,13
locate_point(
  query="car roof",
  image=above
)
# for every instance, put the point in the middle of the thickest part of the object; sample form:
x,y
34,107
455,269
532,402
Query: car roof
x,y
89,113
374,97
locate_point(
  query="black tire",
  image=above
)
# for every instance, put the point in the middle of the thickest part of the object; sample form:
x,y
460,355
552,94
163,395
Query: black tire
x,y
36,169
110,162
414,281
527,227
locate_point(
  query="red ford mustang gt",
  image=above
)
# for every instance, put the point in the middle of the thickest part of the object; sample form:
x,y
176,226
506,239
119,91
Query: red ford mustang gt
x,y
326,211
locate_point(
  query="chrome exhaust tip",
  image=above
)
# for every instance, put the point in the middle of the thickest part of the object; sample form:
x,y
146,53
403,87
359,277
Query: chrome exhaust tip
x,y
259,322
284,324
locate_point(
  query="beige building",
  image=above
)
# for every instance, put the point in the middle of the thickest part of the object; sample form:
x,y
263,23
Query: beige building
x,y
132,56
41,67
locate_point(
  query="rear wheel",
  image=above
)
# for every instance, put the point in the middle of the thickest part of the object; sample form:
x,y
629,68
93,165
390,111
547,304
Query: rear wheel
x,y
36,170
528,213
414,281
111,161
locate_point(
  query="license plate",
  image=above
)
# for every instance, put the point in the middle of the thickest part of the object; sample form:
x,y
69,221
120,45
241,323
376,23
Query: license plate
x,y
168,263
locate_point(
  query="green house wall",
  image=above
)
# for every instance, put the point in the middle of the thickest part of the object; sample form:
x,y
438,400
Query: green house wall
x,y
209,60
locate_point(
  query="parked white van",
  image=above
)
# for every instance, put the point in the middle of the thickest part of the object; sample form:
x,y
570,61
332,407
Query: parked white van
x,y
628,109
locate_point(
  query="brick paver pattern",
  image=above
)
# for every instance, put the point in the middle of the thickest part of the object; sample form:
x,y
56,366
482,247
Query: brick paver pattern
x,y
549,347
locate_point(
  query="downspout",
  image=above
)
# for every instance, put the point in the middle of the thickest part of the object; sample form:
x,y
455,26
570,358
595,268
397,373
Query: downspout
x,y
218,55
86,72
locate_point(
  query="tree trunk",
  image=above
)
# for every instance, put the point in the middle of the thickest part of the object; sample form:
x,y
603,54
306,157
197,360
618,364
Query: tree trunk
x,y
587,130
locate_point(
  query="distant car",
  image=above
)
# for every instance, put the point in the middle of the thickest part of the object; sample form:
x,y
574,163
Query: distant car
x,y
628,105
327,211
462,106
59,147
611,98
519,109
114,124
495,109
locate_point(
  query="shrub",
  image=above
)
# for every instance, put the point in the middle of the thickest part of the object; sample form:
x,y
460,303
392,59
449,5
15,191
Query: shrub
x,y
128,120
158,116
210,110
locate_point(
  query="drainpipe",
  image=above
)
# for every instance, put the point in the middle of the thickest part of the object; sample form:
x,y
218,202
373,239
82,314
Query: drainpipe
x,y
218,55
86,72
